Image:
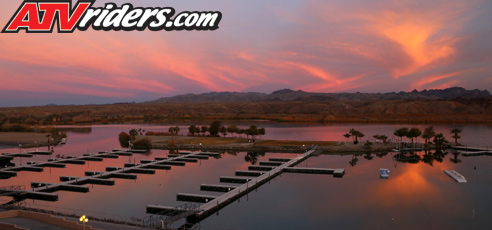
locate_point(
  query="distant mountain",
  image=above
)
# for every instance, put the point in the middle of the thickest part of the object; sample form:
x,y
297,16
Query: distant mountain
x,y
299,95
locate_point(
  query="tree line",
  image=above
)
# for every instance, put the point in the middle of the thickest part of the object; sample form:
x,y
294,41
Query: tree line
x,y
216,129
429,135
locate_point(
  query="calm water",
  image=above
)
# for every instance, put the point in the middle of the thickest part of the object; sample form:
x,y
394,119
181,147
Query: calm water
x,y
415,196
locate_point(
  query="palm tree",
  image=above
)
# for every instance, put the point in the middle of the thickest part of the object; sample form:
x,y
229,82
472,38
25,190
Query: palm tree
x,y
355,134
456,136
428,134
439,141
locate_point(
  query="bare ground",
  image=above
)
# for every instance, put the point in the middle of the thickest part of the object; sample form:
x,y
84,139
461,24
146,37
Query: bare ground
x,y
243,144
27,139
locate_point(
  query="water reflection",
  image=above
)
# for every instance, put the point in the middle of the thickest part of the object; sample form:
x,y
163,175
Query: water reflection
x,y
252,157
417,195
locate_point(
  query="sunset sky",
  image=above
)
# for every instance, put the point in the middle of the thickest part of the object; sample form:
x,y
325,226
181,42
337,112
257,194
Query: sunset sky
x,y
313,45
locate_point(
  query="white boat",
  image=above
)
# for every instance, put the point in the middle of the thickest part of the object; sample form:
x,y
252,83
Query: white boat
x,y
384,173
456,176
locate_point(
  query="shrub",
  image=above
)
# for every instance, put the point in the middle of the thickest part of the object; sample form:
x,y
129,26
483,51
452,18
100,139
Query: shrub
x,y
151,133
124,138
145,144
16,128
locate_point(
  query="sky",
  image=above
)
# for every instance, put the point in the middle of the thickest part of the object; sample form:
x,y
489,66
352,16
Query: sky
x,y
260,46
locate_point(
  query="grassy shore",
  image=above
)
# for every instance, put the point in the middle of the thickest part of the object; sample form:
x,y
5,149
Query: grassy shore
x,y
27,139
242,144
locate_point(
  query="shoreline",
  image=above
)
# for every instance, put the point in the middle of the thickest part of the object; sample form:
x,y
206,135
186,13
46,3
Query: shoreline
x,y
242,145
26,139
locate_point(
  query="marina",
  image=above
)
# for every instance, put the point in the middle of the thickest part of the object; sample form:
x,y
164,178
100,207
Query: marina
x,y
203,178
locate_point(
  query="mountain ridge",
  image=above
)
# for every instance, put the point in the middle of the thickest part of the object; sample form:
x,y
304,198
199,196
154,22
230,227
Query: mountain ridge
x,y
300,95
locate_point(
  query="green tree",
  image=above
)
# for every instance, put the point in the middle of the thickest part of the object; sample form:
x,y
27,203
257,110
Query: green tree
x,y
192,130
401,132
428,134
439,141
253,131
124,139
261,131
174,130
223,130
240,132
456,131
384,138
232,129
204,130
133,134
355,134
413,133
214,128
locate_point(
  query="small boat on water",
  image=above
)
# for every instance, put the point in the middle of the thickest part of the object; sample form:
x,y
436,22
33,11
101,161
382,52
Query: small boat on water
x,y
456,176
384,173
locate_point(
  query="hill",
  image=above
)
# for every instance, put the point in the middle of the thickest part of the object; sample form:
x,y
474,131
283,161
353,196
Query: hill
x,y
299,95
453,105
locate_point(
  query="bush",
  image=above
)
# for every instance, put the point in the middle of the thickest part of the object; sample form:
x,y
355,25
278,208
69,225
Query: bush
x,y
151,133
16,128
124,138
144,144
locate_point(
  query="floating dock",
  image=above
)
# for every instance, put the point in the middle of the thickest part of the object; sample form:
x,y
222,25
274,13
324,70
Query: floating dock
x,y
334,172
42,190
249,180
477,153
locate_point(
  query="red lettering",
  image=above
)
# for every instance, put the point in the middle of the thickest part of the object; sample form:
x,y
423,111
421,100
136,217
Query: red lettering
x,y
31,12
66,23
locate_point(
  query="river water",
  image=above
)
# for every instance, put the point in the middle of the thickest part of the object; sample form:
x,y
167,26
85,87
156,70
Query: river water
x,y
416,195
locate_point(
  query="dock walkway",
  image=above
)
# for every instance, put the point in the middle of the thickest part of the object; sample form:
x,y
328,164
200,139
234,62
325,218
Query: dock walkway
x,y
248,180
43,190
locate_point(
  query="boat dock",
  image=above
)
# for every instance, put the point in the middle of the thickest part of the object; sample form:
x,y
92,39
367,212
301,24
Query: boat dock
x,y
476,153
472,151
248,181
467,148
43,190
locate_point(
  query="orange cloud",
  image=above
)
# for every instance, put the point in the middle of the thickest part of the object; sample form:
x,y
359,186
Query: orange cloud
x,y
317,72
418,35
422,83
